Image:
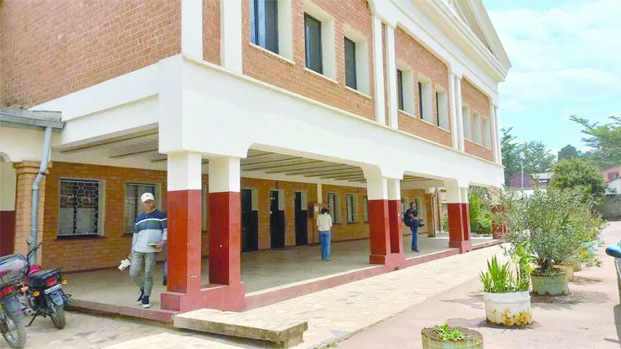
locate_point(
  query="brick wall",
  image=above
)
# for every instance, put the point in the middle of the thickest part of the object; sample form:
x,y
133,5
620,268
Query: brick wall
x,y
211,31
478,103
268,67
52,48
423,64
83,253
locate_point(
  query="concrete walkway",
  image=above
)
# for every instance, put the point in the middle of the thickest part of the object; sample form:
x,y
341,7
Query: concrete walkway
x,y
261,270
339,312
589,317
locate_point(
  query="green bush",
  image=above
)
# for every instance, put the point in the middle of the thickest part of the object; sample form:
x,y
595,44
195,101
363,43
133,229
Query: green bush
x,y
479,210
500,278
447,333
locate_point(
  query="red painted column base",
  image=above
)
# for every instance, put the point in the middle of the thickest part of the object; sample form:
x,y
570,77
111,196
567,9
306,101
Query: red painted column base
x,y
221,297
385,234
459,227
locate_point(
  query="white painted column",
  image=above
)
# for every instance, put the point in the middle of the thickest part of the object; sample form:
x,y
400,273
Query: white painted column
x,y
184,171
453,111
319,193
224,175
231,35
459,111
377,188
394,189
391,71
495,135
192,28
378,71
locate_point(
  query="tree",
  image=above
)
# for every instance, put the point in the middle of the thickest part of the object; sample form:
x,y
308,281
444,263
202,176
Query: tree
x,y
568,152
605,140
580,174
510,153
537,157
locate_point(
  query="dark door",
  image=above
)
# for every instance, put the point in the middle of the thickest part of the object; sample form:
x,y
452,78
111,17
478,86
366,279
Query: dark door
x,y
7,232
277,222
249,223
301,226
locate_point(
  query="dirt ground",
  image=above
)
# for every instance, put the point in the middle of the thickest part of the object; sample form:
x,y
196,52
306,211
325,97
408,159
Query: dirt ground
x,y
589,317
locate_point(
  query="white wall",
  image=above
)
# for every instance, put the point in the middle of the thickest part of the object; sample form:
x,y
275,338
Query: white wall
x,y
7,186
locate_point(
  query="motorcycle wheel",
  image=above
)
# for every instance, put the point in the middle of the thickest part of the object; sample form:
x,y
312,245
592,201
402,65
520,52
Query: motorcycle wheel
x,y
58,317
16,335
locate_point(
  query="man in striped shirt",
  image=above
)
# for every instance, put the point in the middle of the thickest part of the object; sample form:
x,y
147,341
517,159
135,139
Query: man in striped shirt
x,y
149,238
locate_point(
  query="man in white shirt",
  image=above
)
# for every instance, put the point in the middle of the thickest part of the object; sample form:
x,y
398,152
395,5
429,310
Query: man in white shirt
x,y
324,223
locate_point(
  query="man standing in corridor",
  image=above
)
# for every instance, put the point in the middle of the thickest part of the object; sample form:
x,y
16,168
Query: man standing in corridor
x,y
150,235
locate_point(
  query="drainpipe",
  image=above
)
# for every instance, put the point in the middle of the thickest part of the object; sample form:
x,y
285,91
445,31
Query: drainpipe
x,y
34,216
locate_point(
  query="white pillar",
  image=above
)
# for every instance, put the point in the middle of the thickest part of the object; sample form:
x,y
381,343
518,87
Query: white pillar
x,y
378,71
453,110
391,71
231,35
394,189
319,193
184,171
459,112
377,188
494,134
192,28
224,175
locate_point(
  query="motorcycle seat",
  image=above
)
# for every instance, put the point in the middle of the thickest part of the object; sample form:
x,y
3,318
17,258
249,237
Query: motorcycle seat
x,y
38,279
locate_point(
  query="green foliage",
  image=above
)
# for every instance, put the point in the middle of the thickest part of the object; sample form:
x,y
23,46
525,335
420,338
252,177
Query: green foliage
x,y
499,278
447,333
568,152
604,140
479,210
553,222
535,156
510,153
582,175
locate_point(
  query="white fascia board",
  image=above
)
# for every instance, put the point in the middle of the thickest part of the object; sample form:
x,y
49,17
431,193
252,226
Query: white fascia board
x,y
218,119
126,88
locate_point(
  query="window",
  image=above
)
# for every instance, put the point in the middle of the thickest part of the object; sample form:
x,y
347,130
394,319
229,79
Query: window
x,y
365,208
314,54
477,129
487,133
424,100
333,206
350,64
264,24
442,108
400,88
352,208
467,124
79,207
133,205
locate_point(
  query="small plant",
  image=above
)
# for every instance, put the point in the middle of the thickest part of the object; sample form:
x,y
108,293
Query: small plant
x,y
447,333
499,278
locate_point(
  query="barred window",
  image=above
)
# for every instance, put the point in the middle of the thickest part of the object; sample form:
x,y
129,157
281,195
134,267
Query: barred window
x,y
79,205
352,208
333,206
133,192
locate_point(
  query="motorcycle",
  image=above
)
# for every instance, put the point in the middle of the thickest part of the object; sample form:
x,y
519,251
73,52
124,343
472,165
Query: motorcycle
x,y
615,251
13,271
42,294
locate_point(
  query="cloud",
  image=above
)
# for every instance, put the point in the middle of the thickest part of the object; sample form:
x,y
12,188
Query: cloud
x,y
570,52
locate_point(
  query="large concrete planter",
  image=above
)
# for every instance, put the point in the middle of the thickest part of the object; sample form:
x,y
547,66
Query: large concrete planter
x,y
430,341
508,309
569,271
553,284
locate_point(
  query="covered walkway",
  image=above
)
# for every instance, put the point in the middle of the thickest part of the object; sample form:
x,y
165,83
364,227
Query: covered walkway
x,y
261,270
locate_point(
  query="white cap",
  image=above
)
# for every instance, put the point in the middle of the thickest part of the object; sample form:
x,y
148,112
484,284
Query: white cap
x,y
147,196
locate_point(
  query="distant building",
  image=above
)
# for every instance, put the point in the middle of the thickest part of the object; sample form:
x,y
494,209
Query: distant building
x,y
540,180
612,173
611,209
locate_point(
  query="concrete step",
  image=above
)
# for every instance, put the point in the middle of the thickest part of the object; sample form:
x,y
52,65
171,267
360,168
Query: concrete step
x,y
281,332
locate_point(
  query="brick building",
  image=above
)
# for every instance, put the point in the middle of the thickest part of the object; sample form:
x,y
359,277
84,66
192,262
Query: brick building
x,y
244,117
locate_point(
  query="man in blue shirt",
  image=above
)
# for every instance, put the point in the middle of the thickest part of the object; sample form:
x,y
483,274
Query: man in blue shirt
x,y
150,235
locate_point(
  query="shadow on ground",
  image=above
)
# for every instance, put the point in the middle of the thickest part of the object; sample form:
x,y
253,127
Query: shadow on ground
x,y
565,302
474,300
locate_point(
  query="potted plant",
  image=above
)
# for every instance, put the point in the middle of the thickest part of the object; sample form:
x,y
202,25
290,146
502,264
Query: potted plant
x,y
446,337
554,223
506,297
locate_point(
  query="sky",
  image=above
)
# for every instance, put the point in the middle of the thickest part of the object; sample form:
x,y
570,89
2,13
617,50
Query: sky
x,y
566,60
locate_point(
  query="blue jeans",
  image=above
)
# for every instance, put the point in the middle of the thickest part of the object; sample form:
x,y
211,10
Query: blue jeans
x,y
414,229
324,237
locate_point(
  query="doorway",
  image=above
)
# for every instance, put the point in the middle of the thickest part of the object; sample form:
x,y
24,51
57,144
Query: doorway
x,y
277,221
301,220
249,222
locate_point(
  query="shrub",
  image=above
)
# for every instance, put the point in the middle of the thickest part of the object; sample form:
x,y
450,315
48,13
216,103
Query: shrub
x,y
479,211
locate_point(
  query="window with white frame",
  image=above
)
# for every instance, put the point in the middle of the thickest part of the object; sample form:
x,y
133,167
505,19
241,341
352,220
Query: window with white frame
x,y
424,100
442,109
133,205
466,122
319,40
405,89
477,128
80,207
487,133
356,60
352,208
270,26
333,206
365,208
